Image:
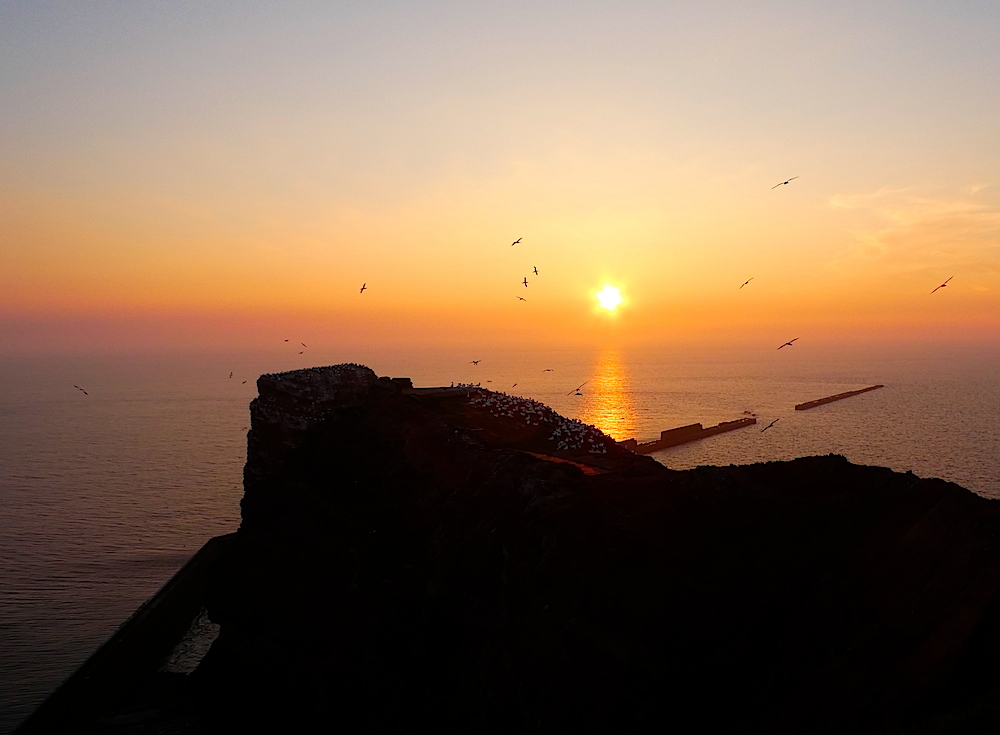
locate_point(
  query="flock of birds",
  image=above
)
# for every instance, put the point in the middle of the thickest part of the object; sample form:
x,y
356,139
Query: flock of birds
x,y
578,390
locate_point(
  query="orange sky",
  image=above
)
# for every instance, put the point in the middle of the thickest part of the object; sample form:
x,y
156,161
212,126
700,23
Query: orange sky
x,y
178,177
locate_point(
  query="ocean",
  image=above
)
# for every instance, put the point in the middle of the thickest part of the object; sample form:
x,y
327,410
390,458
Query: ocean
x,y
104,495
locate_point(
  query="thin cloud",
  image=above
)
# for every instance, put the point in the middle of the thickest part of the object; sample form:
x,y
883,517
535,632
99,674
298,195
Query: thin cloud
x,y
919,233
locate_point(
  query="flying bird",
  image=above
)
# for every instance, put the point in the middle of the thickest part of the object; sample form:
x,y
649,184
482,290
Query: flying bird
x,y
81,389
243,383
230,375
942,285
474,362
514,386
535,268
286,340
525,281
784,182
577,389
746,282
521,298
788,343
303,344
515,242
547,370
769,425
363,287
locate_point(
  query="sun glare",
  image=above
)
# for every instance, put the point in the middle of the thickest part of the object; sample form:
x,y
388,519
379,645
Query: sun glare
x,y
609,297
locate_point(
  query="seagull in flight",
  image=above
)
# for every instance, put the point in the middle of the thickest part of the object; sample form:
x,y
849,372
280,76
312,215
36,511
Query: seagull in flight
x,y
363,287
525,281
788,343
474,362
515,242
303,344
942,285
746,282
547,370
784,182
521,298
769,425
81,389
230,375
535,268
577,389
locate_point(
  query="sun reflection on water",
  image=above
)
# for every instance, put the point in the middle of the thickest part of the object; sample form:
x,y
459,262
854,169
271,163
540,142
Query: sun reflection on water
x,y
608,403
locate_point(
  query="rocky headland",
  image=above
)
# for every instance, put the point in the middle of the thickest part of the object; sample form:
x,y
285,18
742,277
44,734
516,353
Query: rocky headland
x,y
458,560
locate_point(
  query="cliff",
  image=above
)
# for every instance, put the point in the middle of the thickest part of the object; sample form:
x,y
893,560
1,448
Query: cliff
x,y
464,561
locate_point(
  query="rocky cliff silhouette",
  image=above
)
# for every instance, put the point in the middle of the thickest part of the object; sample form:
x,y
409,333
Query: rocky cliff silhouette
x,y
458,560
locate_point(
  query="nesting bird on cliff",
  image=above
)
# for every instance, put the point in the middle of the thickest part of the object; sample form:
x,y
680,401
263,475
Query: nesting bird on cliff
x,y
943,284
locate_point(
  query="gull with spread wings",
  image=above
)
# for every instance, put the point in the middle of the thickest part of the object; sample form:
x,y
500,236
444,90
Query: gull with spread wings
x,y
942,285
783,183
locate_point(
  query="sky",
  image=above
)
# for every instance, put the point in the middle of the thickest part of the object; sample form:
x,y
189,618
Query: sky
x,y
223,175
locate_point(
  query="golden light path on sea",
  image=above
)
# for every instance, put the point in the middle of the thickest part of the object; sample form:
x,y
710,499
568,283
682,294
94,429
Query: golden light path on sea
x,y
608,404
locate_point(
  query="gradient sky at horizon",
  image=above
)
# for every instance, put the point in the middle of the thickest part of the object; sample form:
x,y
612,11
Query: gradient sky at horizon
x,y
217,174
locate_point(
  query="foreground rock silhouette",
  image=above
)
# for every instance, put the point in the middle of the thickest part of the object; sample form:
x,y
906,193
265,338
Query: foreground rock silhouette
x,y
464,561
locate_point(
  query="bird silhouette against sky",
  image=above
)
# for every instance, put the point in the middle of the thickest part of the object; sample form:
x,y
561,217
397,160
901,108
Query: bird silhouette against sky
x,y
515,242
81,389
547,370
363,287
230,375
303,344
769,425
525,281
474,362
577,389
942,285
535,268
746,282
521,298
784,182
788,343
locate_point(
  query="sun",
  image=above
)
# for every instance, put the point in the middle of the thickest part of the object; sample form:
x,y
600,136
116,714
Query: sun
x,y
609,297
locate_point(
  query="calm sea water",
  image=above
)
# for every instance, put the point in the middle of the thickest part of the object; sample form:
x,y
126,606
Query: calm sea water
x,y
104,496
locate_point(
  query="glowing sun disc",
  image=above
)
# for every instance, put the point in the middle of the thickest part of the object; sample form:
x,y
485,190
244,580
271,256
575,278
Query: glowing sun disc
x,y
610,297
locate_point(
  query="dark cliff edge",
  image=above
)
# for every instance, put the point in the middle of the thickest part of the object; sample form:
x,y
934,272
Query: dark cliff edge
x,y
469,561
457,560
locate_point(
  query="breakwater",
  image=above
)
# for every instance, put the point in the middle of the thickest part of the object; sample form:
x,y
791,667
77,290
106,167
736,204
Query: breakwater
x,y
684,434
838,397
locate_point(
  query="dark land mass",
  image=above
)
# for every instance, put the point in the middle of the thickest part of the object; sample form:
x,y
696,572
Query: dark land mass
x,y
464,561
